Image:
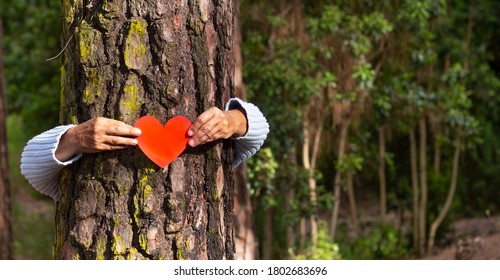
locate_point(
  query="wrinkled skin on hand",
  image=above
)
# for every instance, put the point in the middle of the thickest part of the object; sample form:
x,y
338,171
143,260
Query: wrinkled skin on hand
x,y
95,135
215,124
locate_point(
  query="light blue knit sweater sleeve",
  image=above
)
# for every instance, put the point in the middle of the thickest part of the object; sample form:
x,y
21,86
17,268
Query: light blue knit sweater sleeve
x,y
41,168
257,130
39,164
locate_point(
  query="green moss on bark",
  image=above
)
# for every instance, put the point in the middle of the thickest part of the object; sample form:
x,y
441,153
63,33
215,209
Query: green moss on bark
x,y
136,53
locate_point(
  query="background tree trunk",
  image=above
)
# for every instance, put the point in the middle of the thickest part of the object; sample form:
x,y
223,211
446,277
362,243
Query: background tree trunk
x,y
352,204
5,211
312,136
423,185
126,59
245,240
381,174
344,129
292,230
449,199
415,188
268,243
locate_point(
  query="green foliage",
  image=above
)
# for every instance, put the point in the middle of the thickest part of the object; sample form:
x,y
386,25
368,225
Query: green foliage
x,y
16,139
261,170
409,61
324,249
356,32
33,232
350,162
278,95
383,243
32,35
365,75
32,216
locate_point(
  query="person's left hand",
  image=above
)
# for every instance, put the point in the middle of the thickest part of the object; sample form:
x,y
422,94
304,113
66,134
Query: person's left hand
x,y
214,124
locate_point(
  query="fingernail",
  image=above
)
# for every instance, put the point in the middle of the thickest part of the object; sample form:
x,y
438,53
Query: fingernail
x,y
191,142
190,133
134,142
137,131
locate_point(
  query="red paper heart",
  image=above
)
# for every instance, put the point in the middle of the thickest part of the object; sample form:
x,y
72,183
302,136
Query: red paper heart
x,y
163,144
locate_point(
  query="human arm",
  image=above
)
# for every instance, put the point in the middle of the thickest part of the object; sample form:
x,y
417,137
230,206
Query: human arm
x,y
48,153
96,135
251,128
38,162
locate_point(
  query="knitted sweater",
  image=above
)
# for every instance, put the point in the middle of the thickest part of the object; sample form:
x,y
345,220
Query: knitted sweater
x,y
41,168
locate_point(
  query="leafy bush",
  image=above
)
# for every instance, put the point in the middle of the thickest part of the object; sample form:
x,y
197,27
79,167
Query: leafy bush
x,y
324,249
383,243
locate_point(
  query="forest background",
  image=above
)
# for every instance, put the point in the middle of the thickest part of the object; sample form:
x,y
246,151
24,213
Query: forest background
x,y
384,123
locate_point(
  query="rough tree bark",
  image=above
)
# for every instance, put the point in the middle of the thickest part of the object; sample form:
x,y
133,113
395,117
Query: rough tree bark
x,y
5,211
123,60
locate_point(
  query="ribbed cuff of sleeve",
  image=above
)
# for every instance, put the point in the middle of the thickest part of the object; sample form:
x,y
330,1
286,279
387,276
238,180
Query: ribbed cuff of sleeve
x,y
39,164
257,130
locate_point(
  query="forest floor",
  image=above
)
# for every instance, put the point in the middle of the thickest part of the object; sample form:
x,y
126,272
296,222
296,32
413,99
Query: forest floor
x,y
474,238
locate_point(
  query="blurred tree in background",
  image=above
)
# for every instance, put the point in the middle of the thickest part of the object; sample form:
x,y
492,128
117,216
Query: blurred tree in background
x,y
5,197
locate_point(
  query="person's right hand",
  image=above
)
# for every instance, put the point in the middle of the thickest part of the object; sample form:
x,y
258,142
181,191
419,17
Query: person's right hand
x,y
95,135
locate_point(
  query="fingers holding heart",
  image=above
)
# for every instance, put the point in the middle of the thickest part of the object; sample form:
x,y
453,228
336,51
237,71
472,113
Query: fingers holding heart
x,y
101,134
163,144
212,125
117,142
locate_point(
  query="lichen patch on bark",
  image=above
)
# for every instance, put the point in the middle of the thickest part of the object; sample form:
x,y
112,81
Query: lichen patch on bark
x,y
91,46
186,246
70,7
131,100
137,54
122,235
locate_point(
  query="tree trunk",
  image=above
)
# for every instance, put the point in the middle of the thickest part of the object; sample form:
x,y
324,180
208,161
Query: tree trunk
x,y
267,244
5,204
338,178
312,184
423,185
437,158
381,174
123,60
303,234
309,162
447,203
352,204
290,227
245,240
415,188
